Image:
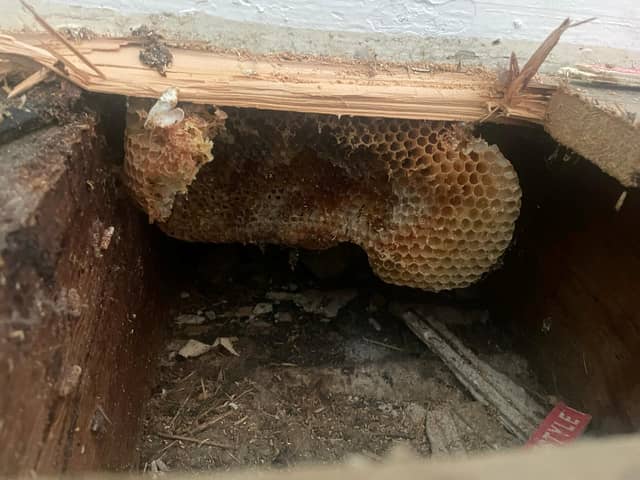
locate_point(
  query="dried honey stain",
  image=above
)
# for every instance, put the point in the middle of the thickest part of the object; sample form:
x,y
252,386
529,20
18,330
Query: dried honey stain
x,y
433,207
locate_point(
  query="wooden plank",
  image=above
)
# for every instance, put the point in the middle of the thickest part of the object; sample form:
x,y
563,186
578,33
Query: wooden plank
x,y
517,410
600,124
603,75
305,84
567,288
79,306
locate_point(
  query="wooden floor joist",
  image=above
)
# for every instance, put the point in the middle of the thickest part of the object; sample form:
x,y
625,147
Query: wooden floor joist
x,y
312,85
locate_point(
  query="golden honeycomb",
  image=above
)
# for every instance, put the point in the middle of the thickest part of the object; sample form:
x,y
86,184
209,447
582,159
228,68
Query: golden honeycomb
x,y
432,206
162,162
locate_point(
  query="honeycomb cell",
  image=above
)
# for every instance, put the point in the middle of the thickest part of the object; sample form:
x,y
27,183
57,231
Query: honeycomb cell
x,y
469,200
468,166
432,206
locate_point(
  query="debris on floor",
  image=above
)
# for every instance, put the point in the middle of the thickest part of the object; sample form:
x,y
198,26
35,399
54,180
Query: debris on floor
x,y
194,348
519,411
442,433
299,389
316,301
227,344
190,319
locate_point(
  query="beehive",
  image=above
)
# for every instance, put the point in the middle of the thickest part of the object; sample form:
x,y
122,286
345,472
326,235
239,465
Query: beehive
x,y
162,162
432,206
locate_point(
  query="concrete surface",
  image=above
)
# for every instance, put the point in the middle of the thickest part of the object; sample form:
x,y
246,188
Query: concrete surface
x,y
407,30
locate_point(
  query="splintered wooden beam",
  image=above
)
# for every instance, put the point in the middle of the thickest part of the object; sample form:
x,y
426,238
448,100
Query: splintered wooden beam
x,y
304,84
60,37
521,78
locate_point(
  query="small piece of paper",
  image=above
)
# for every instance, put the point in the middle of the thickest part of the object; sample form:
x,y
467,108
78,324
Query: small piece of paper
x,y
194,348
227,343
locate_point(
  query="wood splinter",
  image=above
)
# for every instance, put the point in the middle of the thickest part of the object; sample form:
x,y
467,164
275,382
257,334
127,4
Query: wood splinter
x,y
518,411
60,37
182,438
519,79
29,82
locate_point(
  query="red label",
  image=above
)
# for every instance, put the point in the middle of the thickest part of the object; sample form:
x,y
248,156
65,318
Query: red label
x,y
562,425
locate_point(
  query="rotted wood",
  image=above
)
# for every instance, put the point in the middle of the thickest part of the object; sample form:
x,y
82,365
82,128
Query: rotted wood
x,y
568,286
80,302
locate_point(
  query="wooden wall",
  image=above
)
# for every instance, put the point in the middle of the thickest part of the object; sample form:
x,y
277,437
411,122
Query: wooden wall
x,y
80,321
570,286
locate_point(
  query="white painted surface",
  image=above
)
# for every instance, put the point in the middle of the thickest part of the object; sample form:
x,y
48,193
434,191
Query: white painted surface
x,y
617,25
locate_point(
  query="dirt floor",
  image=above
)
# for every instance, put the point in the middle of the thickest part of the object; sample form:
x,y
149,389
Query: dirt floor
x,y
295,369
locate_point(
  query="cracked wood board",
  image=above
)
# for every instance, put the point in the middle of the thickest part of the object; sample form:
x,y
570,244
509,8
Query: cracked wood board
x,y
304,84
66,306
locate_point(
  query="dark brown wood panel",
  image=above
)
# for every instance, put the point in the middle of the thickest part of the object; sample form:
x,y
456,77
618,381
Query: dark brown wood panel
x,y
65,303
575,268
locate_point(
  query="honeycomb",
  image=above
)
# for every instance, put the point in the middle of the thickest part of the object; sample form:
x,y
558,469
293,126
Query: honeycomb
x,y
431,205
162,162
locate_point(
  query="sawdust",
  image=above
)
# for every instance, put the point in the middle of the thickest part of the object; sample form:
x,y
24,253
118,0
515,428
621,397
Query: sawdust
x,y
155,52
78,34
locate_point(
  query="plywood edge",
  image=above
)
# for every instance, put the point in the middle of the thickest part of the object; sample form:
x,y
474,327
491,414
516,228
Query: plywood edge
x,y
599,125
303,84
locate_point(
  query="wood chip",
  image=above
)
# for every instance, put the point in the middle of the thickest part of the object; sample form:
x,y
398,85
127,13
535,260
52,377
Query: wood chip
x,y
227,344
524,75
621,199
382,344
193,349
190,319
199,441
442,433
601,75
61,38
208,424
262,308
29,82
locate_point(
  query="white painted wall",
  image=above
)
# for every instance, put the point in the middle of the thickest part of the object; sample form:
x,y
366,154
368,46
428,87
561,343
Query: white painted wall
x,y
618,23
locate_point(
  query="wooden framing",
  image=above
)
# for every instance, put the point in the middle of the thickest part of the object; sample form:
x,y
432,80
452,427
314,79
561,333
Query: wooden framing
x,y
305,84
